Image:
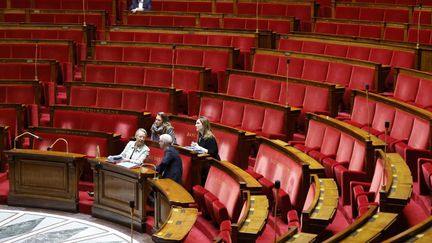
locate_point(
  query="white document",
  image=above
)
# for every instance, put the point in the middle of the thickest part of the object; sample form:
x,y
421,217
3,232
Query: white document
x,y
128,165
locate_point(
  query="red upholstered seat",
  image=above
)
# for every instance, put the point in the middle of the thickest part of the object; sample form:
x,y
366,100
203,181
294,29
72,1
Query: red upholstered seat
x,y
423,98
314,137
241,85
424,167
211,108
406,87
274,165
253,118
232,113
267,90
401,129
329,146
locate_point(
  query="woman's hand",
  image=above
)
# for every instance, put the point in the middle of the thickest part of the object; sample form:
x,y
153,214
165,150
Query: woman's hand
x,y
194,144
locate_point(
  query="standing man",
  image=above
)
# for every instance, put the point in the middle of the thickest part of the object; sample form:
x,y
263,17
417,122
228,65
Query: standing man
x,y
171,165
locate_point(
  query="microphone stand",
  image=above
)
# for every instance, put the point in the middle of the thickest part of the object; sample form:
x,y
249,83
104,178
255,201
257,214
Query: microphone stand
x,y
84,13
172,65
132,208
25,133
418,27
35,61
57,140
386,125
277,187
287,81
257,14
367,107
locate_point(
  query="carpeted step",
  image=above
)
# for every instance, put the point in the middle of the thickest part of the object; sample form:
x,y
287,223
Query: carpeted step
x,y
85,202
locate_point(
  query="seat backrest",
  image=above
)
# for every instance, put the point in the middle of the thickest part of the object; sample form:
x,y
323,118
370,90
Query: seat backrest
x,y
423,97
211,108
315,134
402,125
9,118
360,111
241,85
406,87
357,161
345,148
227,144
420,134
330,141
275,165
225,188
383,113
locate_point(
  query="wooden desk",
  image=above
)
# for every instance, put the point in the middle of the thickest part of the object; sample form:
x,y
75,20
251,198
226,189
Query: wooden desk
x,y
323,207
177,226
421,232
251,183
169,194
45,179
294,236
115,187
254,221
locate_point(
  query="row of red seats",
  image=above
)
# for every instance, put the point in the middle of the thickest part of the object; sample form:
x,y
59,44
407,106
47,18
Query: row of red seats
x,y
399,2
103,120
382,13
393,32
110,6
218,59
122,97
276,162
350,74
413,87
309,96
263,118
281,25
63,51
409,130
344,151
386,55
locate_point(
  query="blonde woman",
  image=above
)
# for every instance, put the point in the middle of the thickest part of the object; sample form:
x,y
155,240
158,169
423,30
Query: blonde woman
x,y
206,142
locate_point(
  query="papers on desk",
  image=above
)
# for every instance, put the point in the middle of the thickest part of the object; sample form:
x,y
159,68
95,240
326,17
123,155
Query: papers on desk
x,y
194,149
128,165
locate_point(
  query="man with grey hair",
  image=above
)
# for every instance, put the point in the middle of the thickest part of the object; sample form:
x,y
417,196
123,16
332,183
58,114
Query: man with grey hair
x,y
171,164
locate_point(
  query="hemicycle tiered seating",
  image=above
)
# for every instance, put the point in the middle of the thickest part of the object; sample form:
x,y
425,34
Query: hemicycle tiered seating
x,y
413,87
218,59
308,95
234,144
372,12
344,150
409,132
98,18
276,160
103,120
107,5
281,25
391,55
243,40
224,201
63,51
123,97
263,118
352,74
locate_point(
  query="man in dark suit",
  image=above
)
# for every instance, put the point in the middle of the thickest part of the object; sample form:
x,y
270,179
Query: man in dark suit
x,y
171,164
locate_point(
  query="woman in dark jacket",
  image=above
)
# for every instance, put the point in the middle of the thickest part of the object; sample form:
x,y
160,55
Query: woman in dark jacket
x,y
206,142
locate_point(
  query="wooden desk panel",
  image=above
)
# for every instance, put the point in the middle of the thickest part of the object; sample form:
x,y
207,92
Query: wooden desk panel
x,y
114,188
45,179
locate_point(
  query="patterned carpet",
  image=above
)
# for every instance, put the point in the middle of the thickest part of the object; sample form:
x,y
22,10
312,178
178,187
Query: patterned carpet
x,y
35,227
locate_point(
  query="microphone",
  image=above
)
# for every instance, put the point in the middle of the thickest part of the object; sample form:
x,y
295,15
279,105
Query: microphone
x,y
57,140
277,187
257,14
172,64
386,126
418,27
35,61
26,133
288,61
367,107
132,208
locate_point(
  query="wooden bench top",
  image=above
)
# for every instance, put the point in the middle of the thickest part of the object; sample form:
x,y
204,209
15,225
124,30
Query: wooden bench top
x,y
256,217
251,183
400,181
292,235
314,166
177,226
174,192
324,205
421,232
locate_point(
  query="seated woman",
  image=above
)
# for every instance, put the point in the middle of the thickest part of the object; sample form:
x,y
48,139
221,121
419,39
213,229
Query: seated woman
x,y
136,151
162,126
206,142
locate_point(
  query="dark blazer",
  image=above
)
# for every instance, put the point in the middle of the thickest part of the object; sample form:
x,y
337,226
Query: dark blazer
x,y
171,165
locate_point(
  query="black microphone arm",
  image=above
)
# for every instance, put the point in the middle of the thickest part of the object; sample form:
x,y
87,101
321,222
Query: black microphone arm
x,y
57,140
25,133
